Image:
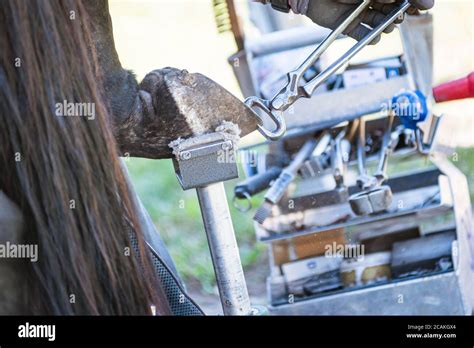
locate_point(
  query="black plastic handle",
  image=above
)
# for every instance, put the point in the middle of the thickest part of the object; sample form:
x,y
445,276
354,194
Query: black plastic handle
x,y
257,183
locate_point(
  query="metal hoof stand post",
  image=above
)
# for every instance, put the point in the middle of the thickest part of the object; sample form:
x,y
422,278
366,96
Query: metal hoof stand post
x,y
204,163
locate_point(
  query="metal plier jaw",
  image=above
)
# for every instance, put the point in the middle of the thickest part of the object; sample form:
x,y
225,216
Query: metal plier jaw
x,y
276,116
295,90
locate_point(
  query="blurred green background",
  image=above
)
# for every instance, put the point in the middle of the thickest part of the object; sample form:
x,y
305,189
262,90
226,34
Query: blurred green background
x,y
182,33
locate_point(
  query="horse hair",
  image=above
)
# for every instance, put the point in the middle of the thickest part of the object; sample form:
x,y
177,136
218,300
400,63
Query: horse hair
x,y
64,172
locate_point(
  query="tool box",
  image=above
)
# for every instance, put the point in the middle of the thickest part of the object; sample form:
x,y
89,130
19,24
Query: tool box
x,y
340,240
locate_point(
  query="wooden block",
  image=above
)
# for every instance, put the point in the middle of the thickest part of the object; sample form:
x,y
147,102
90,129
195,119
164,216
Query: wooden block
x,y
306,246
315,244
385,242
281,253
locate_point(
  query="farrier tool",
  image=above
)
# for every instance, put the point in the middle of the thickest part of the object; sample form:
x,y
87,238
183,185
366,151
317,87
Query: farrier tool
x,y
374,197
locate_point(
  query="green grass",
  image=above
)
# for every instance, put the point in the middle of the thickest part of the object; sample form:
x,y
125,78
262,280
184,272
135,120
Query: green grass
x,y
178,219
464,160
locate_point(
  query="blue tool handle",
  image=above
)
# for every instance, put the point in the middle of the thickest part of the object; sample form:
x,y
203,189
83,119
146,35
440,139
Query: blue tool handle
x,y
411,107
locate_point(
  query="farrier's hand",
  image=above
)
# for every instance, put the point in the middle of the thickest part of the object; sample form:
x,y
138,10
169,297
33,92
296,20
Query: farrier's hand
x,y
330,13
417,5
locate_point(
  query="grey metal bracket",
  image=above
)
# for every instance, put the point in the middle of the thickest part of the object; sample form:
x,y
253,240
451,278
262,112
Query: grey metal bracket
x,y
204,163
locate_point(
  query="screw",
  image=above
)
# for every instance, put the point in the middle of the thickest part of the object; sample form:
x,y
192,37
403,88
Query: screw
x,y
227,146
185,155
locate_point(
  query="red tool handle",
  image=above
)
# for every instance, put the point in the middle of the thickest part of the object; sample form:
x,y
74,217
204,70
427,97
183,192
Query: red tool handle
x,y
455,90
